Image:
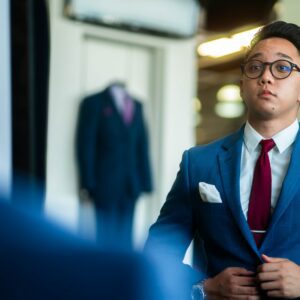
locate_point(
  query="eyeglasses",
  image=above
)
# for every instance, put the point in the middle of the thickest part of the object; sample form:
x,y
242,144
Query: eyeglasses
x,y
280,69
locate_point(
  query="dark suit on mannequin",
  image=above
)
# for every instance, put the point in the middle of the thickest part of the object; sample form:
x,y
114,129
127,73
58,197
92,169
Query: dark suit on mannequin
x,y
113,162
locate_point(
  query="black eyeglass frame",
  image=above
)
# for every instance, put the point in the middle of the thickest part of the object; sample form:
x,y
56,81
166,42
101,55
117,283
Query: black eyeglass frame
x,y
294,67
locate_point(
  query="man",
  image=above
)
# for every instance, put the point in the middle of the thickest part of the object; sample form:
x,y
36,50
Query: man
x,y
242,202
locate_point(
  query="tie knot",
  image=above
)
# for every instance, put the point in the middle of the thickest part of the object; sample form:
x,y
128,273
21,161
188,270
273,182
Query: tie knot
x,y
267,145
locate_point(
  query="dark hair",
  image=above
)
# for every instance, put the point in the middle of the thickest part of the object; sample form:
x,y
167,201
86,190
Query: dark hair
x,y
280,29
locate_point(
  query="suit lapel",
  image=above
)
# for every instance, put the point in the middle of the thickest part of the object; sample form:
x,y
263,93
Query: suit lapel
x,y
112,102
230,161
109,102
290,186
230,165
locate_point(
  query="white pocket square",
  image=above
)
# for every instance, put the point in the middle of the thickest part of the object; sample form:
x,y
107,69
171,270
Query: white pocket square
x,y
209,193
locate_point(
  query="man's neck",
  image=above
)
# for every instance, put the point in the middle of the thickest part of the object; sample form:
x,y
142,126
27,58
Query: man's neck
x,y
269,128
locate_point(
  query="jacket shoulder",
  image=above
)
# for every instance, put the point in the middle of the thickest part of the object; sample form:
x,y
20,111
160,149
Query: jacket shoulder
x,y
95,100
213,146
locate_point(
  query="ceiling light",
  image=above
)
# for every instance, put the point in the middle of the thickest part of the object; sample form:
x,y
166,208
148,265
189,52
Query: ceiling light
x,y
227,45
229,110
245,37
197,104
229,93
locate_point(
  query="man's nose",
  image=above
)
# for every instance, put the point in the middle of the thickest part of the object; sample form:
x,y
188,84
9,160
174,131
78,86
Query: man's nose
x,y
266,76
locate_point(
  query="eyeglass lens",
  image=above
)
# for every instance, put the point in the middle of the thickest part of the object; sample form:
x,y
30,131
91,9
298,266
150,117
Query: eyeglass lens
x,y
279,69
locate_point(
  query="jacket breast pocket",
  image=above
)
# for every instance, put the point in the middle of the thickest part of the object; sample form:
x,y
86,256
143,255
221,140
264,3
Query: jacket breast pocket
x,y
213,219
207,210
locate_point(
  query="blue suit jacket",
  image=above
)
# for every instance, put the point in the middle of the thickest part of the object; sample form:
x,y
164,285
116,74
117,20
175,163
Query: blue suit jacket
x,y
113,158
222,227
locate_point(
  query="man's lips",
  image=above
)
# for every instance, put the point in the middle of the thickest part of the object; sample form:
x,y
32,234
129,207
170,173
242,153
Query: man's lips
x,y
266,93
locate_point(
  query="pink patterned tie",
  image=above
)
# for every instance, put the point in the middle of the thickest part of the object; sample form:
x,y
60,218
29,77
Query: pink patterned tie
x,y
260,197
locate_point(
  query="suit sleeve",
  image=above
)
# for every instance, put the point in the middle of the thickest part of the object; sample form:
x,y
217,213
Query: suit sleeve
x,y
170,236
86,142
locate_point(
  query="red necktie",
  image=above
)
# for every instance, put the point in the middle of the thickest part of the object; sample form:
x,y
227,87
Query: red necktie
x,y
260,197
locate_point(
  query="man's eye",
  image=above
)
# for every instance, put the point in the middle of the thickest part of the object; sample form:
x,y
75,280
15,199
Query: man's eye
x,y
254,67
283,68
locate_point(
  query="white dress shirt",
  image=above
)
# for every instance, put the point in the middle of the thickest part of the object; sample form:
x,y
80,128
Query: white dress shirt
x,y
119,94
279,159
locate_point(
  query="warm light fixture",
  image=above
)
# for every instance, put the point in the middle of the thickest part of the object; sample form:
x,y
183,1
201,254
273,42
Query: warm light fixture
x,y
227,45
229,103
229,93
197,104
229,110
197,107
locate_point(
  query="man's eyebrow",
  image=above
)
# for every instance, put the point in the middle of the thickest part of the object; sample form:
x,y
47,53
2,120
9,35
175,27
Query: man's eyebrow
x,y
280,54
254,55
284,55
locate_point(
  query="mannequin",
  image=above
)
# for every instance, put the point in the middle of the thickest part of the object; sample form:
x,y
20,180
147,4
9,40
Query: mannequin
x,y
113,160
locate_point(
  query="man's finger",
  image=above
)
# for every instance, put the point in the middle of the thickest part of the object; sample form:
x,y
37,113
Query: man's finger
x,y
269,259
240,271
268,276
246,290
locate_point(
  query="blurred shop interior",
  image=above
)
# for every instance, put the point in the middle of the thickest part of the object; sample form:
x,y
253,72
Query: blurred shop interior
x,y
179,58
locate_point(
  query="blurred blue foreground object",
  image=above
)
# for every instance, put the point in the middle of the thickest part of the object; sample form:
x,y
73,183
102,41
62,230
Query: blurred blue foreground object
x,y
40,260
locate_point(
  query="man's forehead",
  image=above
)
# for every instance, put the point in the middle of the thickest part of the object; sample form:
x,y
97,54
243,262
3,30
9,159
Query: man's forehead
x,y
280,55
275,46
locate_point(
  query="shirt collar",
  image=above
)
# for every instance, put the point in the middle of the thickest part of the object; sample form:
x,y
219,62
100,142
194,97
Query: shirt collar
x,y
283,139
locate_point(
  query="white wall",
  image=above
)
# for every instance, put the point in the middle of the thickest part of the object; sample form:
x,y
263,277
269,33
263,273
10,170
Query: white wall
x,y
289,11
5,100
160,71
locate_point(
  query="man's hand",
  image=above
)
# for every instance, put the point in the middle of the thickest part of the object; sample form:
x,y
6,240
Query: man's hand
x,y
279,277
232,283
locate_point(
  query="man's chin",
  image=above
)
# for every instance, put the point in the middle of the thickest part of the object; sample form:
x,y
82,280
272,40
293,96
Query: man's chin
x,y
264,115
